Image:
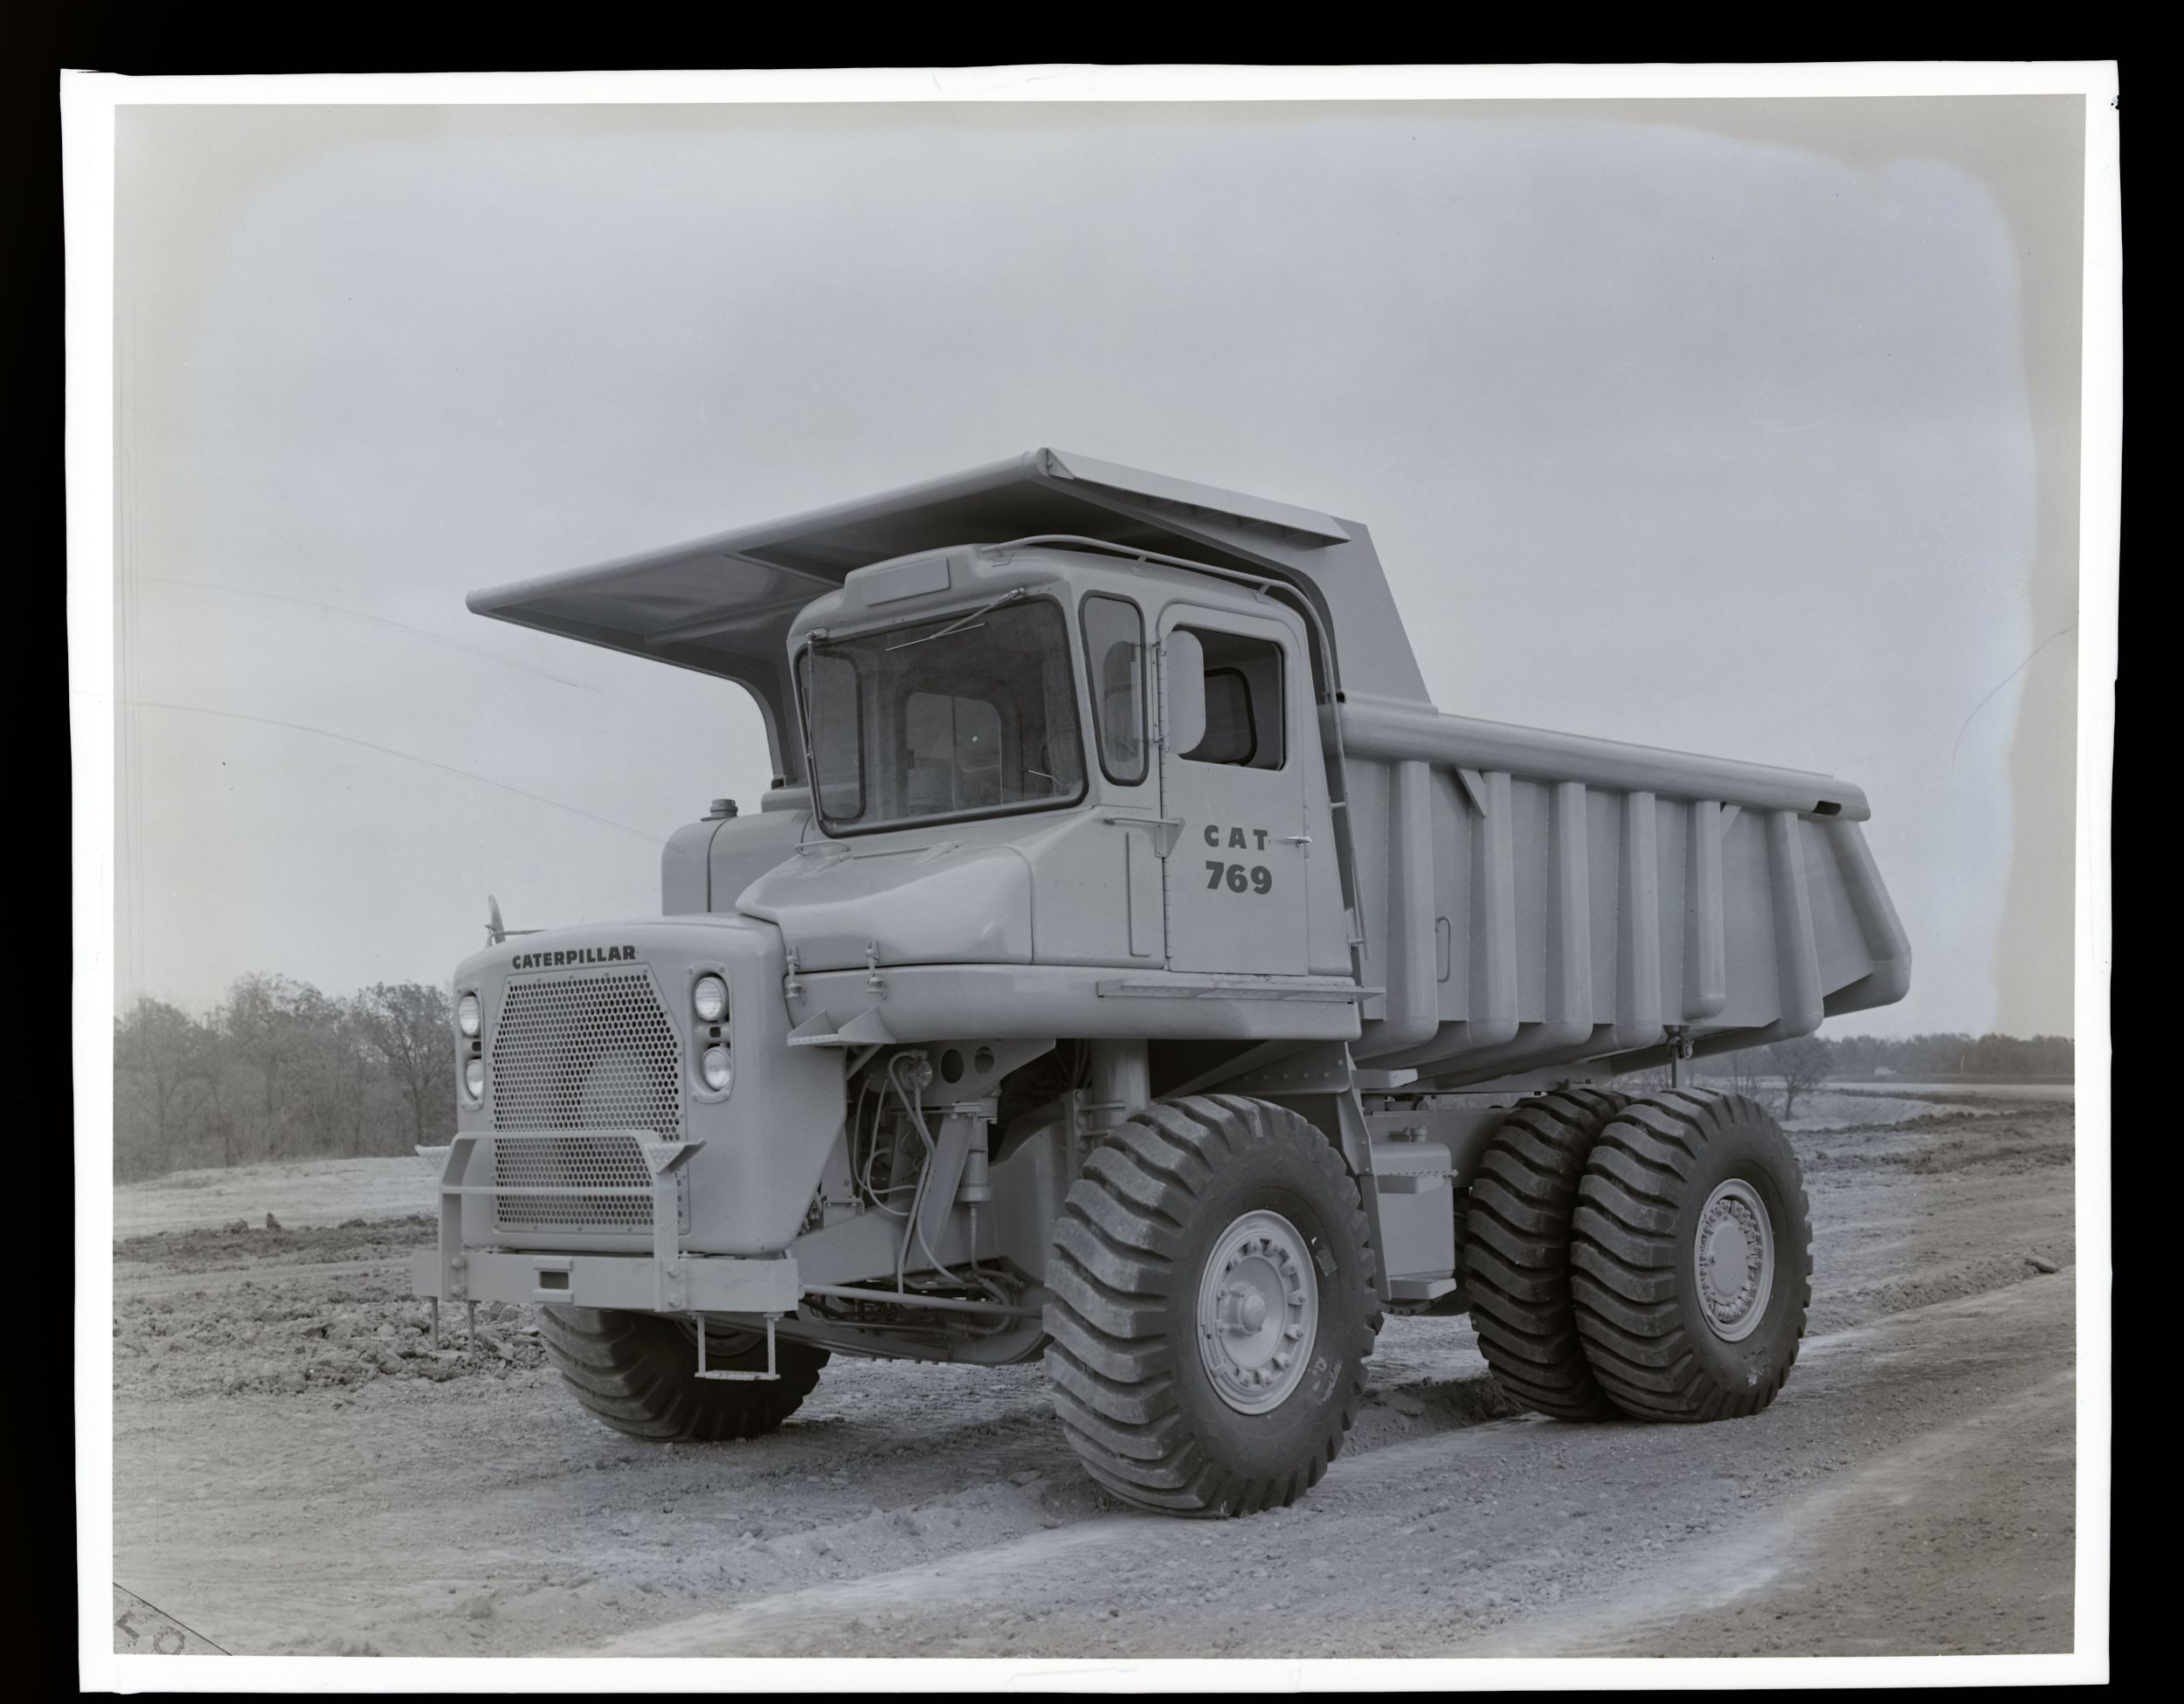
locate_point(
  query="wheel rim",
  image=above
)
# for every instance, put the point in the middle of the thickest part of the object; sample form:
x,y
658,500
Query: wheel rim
x,y
1733,1259
1258,1312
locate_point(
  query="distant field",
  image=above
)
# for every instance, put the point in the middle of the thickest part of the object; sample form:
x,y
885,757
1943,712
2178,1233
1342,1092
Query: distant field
x,y
2041,1091
297,1193
1818,1108
1890,1102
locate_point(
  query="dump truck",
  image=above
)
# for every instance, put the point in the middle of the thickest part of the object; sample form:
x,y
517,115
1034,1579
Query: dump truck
x,y
1129,967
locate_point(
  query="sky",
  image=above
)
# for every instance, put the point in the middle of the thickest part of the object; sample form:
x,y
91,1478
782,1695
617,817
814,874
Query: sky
x,y
1746,428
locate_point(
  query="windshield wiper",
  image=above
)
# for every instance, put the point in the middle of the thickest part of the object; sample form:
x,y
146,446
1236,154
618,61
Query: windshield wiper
x,y
964,622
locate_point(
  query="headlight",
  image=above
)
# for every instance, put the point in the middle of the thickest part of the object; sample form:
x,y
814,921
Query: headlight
x,y
468,1019
474,1078
719,1071
710,997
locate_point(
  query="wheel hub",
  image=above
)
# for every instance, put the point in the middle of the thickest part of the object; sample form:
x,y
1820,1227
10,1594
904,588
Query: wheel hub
x,y
1733,1255
1258,1312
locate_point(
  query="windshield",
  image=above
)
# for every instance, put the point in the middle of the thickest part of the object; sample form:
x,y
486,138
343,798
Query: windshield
x,y
970,713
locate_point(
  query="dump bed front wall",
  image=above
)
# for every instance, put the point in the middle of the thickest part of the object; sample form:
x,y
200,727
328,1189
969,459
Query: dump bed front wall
x,y
1525,919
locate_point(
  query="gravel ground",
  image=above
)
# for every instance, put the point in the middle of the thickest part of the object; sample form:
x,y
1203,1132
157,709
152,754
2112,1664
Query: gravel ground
x,y
298,1472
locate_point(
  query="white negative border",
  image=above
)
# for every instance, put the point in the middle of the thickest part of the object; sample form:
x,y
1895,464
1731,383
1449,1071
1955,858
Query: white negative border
x,y
2100,554
89,100
1089,82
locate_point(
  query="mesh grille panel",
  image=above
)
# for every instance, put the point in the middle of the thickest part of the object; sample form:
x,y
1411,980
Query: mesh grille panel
x,y
587,1053
565,1162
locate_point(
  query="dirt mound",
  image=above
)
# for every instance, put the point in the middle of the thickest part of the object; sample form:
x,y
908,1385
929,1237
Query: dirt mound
x,y
1858,1301
1918,1121
2015,1139
302,1333
240,1243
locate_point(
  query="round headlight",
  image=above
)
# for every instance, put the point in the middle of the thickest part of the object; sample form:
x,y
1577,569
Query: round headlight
x,y
710,997
719,1072
467,1017
474,1078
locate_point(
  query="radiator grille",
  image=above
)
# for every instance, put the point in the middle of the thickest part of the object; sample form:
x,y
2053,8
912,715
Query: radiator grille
x,y
565,1162
590,1053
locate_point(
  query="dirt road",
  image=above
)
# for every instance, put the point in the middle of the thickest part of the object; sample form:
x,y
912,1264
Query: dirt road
x,y
296,1471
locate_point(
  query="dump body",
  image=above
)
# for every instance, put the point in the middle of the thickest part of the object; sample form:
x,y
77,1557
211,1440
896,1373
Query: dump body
x,y
1531,900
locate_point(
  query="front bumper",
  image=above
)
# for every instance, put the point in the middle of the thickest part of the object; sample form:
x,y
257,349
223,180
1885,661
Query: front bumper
x,y
667,1280
706,1283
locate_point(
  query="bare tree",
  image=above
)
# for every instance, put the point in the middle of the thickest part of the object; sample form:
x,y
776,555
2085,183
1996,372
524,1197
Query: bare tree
x,y
281,1070
362,1073
412,1027
1802,1064
224,1112
327,1077
257,1024
166,1054
1738,1072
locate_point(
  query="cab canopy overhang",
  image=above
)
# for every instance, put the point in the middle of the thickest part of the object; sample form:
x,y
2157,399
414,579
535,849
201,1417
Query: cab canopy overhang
x,y
723,605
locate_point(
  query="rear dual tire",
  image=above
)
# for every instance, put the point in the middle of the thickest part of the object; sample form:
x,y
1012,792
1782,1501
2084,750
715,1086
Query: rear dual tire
x,y
1691,1257
1517,1250
1650,1257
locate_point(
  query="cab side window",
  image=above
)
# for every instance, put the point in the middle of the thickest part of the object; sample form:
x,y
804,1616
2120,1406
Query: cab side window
x,y
1114,661
1243,701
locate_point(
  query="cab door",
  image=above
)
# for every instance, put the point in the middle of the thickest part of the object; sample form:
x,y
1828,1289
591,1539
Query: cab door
x,y
1231,777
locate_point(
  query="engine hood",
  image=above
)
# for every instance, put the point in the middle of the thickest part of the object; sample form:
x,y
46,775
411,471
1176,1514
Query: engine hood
x,y
662,943
935,902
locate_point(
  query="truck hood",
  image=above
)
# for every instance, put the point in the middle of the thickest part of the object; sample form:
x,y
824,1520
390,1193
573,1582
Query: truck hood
x,y
939,902
654,941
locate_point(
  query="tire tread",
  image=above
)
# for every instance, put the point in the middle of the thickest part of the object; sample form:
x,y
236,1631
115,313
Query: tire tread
x,y
1110,1363
636,1373
1517,1250
1624,1281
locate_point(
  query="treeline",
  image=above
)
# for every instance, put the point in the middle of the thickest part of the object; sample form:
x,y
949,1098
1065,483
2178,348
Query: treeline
x,y
279,1071
1931,1058
1780,1073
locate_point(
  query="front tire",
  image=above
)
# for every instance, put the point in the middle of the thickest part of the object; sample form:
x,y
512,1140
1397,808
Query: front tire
x,y
1214,1307
638,1374
1691,1257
